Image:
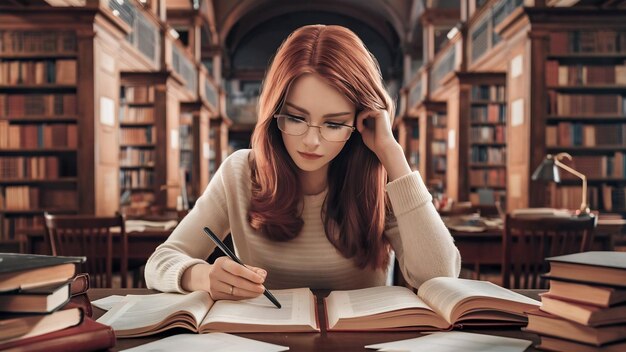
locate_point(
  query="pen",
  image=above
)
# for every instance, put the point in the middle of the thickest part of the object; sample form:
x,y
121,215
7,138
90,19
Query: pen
x,y
232,256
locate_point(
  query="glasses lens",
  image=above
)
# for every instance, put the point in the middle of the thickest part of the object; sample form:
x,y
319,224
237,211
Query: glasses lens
x,y
335,133
291,125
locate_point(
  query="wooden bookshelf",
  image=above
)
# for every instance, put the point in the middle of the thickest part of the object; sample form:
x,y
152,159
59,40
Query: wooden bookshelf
x,y
487,141
586,114
138,136
195,147
38,127
437,163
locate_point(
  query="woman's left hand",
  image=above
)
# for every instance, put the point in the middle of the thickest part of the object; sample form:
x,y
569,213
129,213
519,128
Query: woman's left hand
x,y
375,129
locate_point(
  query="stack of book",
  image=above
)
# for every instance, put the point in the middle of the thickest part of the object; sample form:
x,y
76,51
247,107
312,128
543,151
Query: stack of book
x,y
585,307
44,306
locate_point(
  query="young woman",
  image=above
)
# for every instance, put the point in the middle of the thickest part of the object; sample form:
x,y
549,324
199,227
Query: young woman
x,y
324,195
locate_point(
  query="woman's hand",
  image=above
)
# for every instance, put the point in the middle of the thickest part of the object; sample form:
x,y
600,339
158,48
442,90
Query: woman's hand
x,y
375,129
225,279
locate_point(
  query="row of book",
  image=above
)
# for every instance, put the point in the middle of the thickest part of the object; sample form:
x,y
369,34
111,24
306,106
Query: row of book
x,y
580,74
138,203
61,71
37,136
137,94
604,166
604,197
141,178
484,154
32,197
138,135
137,157
586,104
574,134
33,168
487,196
488,134
489,92
37,42
487,178
24,105
14,224
44,306
438,147
603,41
585,307
144,114
494,113
439,163
440,134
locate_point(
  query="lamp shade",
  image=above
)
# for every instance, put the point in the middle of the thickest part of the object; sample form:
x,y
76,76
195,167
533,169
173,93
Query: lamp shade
x,y
547,171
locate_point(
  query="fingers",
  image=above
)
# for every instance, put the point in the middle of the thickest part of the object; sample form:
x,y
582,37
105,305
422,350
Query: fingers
x,y
231,280
370,118
227,291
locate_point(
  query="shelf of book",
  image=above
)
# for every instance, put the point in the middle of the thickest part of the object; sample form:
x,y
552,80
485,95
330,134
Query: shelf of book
x,y
186,146
137,148
586,114
38,127
438,147
487,142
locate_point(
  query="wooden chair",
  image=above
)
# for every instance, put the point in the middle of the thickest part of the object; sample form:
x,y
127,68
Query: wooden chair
x,y
528,241
89,236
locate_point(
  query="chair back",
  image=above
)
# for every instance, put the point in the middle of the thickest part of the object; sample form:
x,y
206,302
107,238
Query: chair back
x,y
528,241
88,236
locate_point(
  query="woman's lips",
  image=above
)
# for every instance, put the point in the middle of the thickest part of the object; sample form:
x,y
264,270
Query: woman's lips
x,y
309,156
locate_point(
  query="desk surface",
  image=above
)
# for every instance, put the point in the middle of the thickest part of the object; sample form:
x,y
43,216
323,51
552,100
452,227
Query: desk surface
x,y
319,342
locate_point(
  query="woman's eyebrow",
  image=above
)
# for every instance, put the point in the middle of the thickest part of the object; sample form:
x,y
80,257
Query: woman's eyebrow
x,y
302,110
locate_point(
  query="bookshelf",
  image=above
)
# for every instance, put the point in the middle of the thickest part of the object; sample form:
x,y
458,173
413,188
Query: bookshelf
x,y
38,128
195,147
137,148
586,114
187,151
487,143
438,122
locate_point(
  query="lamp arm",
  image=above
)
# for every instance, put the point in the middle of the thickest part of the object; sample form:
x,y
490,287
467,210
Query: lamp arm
x,y
583,206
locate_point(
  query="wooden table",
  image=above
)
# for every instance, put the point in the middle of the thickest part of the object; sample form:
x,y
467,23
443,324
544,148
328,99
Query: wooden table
x,y
319,342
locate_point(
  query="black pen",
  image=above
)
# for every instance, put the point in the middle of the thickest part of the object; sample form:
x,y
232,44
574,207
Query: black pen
x,y
232,256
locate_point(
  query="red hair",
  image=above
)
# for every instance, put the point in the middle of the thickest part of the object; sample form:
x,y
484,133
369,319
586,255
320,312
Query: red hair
x,y
355,207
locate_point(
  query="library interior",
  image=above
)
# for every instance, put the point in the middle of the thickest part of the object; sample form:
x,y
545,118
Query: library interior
x,y
116,114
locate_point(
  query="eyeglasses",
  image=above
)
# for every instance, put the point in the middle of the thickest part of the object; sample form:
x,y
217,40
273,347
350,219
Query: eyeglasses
x,y
330,131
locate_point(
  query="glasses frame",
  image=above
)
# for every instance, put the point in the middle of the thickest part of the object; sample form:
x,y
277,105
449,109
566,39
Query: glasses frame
x,y
352,128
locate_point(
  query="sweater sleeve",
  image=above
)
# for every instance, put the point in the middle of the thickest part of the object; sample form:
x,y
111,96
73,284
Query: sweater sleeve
x,y
422,243
188,244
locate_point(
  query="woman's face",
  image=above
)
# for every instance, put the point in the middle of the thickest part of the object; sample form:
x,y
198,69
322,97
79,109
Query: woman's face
x,y
312,100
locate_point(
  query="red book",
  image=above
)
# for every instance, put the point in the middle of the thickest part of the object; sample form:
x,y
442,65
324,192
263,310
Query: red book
x,y
87,336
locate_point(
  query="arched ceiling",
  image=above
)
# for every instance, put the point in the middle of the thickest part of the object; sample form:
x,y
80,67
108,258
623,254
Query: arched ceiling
x,y
252,47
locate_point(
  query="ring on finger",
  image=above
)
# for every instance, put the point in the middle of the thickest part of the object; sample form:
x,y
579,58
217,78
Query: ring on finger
x,y
232,288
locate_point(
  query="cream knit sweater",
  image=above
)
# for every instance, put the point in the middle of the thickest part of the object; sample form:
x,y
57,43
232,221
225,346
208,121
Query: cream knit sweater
x,y
422,244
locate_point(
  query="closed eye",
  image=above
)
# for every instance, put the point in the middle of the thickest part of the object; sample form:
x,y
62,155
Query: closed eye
x,y
295,118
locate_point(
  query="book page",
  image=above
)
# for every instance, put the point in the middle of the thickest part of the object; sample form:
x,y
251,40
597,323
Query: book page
x,y
370,301
142,313
298,308
444,294
455,341
214,342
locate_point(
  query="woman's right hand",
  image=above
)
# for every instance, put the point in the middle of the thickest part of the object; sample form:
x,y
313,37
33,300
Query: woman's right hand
x,y
225,279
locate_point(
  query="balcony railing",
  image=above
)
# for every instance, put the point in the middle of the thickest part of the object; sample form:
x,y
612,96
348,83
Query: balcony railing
x,y
444,64
145,34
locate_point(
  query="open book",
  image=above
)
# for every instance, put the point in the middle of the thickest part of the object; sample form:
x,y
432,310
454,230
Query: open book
x,y
143,315
143,225
440,304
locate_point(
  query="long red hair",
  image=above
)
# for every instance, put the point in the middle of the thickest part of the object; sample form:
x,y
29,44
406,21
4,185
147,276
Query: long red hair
x,y
355,207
